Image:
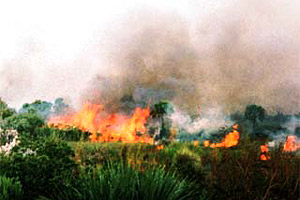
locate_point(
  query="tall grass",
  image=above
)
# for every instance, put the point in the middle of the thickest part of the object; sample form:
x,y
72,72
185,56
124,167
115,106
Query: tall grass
x,y
233,173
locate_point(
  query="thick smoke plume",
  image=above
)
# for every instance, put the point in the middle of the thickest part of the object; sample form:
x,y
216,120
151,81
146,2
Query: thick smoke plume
x,y
241,53
247,53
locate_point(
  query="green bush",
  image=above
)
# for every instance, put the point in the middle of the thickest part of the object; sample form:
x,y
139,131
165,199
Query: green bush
x,y
10,189
40,165
26,123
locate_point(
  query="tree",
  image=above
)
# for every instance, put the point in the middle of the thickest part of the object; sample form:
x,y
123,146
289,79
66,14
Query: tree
x,y
42,108
5,111
60,106
255,113
160,110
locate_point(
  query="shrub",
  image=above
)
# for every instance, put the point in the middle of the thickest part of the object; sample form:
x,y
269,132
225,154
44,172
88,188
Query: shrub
x,y
26,123
40,165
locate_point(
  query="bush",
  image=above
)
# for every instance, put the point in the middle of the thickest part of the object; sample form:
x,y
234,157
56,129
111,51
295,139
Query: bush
x,y
10,189
40,165
26,123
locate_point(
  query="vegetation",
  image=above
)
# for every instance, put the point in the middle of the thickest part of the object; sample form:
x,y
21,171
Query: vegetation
x,y
53,164
159,111
40,165
5,111
119,181
254,114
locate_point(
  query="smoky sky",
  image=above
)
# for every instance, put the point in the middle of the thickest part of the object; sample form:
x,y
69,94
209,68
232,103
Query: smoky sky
x,y
239,53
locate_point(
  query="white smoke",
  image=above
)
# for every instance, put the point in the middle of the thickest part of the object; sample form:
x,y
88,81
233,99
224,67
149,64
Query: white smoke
x,y
211,119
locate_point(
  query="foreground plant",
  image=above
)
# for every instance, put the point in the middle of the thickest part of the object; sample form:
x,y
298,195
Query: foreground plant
x,y
40,165
118,181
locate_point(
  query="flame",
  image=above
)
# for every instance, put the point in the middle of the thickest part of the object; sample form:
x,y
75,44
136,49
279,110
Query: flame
x,y
159,147
291,144
230,140
206,143
196,143
264,155
115,127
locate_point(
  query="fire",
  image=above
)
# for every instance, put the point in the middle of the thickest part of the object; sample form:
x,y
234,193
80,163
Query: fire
x,y
115,127
159,147
206,143
230,140
196,143
291,144
264,155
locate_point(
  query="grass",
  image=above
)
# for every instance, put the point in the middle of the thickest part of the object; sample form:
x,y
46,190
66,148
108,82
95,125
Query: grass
x,y
234,173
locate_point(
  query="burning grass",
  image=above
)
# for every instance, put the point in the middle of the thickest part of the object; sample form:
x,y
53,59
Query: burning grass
x,y
220,173
112,128
229,169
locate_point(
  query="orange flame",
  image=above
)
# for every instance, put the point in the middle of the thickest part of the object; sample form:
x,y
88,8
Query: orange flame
x,y
196,143
291,144
264,155
206,143
159,147
115,127
230,140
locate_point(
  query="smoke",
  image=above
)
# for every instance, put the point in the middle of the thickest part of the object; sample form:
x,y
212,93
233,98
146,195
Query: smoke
x,y
292,125
237,53
208,120
247,53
